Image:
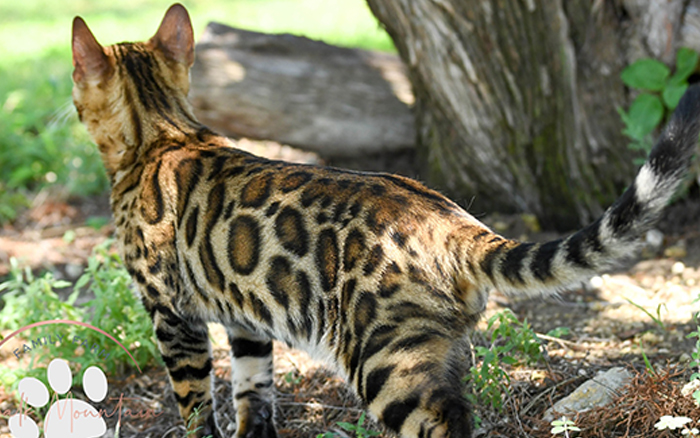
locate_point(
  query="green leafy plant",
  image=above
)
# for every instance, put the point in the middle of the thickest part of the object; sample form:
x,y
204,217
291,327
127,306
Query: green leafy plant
x,y
358,428
11,201
559,332
660,93
194,416
293,378
489,380
35,299
519,341
564,425
695,356
512,343
114,309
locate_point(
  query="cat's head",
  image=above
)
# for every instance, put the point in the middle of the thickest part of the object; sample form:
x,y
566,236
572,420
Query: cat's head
x,y
117,88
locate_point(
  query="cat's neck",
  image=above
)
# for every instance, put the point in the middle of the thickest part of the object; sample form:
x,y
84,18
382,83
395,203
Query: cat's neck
x,y
130,133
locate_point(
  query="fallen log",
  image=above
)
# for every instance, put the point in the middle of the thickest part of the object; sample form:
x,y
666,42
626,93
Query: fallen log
x,y
330,100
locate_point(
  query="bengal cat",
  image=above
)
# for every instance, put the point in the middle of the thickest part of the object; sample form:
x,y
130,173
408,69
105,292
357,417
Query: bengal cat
x,y
373,273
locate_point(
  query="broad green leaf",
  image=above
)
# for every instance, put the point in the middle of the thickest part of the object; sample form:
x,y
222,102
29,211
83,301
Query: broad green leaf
x,y
481,351
623,115
361,420
686,61
509,360
646,74
672,94
644,116
82,281
61,284
633,132
73,296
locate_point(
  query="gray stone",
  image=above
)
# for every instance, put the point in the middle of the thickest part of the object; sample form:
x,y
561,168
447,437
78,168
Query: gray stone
x,y
598,391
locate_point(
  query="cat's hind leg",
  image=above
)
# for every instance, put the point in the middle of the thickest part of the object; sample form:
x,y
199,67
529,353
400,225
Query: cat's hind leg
x,y
253,386
417,389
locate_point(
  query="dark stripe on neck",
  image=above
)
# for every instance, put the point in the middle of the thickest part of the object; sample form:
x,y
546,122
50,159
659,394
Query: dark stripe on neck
x,y
141,68
134,116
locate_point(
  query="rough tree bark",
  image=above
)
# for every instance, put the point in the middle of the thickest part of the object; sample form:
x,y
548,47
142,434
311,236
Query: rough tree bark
x,y
516,99
331,100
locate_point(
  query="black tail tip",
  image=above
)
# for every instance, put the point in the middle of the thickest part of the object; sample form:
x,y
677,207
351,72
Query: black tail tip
x,y
687,112
678,142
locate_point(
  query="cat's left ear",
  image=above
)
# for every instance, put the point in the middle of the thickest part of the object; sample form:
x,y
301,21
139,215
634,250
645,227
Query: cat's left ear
x,y
175,37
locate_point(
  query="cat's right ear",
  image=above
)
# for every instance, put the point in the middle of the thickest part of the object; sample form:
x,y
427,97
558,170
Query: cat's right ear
x,y
175,37
89,59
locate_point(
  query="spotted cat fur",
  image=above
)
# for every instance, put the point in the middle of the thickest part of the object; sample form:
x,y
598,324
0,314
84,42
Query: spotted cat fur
x,y
373,273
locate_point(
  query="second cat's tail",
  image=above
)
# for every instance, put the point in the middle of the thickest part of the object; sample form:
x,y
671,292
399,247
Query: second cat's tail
x,y
530,268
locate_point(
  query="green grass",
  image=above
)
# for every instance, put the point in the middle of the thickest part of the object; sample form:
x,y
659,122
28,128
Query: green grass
x,y
35,27
41,142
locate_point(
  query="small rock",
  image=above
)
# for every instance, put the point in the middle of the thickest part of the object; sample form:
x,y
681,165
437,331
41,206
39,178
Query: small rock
x,y
595,392
596,282
655,238
678,268
73,270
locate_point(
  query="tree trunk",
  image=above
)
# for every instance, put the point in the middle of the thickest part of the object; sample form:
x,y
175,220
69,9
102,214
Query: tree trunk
x,y
516,100
330,100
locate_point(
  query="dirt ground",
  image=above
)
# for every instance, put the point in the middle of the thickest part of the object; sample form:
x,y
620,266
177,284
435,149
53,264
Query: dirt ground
x,y
644,309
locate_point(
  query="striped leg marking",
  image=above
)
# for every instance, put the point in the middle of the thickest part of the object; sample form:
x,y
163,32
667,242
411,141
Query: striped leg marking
x,y
184,346
251,376
417,391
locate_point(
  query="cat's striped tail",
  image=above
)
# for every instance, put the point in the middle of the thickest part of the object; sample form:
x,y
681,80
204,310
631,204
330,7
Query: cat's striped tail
x,y
527,268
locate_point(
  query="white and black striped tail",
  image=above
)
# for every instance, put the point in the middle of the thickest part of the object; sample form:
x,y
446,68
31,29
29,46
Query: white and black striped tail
x,y
535,268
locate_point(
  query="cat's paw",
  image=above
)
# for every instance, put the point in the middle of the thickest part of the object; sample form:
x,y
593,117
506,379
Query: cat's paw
x,y
258,423
68,417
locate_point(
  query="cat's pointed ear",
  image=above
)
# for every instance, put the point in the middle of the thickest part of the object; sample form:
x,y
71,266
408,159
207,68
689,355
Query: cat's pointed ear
x,y
175,37
89,59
